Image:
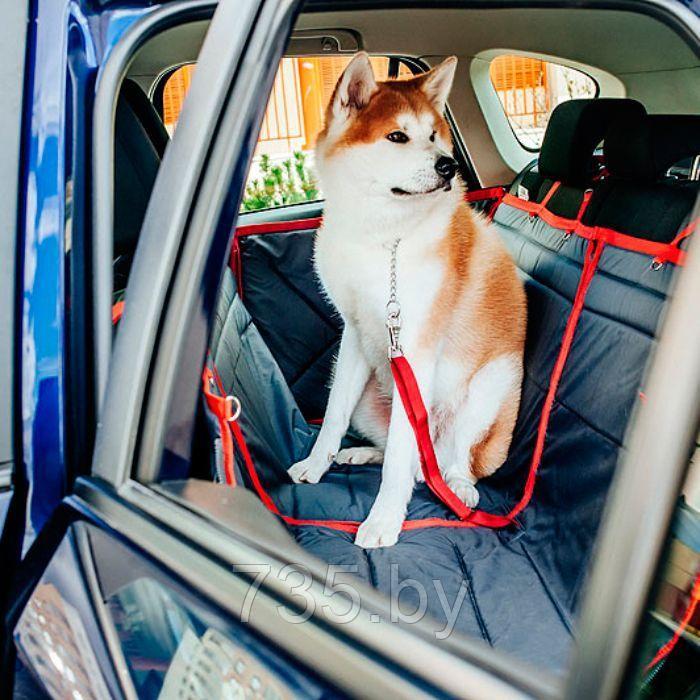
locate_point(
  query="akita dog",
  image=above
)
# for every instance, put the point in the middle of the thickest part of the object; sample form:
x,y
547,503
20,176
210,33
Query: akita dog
x,y
390,183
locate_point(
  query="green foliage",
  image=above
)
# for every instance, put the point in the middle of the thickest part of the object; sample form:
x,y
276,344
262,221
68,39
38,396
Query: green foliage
x,y
289,183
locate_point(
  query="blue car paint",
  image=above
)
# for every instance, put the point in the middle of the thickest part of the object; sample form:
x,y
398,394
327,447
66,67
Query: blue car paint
x,y
47,179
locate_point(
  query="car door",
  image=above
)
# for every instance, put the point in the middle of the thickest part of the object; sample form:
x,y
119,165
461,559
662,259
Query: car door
x,y
128,588
134,589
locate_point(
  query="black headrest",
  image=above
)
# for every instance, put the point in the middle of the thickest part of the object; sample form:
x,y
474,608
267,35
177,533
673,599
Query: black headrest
x,y
139,143
574,130
646,148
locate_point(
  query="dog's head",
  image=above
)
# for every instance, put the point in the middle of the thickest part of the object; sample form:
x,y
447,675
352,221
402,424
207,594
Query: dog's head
x,y
390,139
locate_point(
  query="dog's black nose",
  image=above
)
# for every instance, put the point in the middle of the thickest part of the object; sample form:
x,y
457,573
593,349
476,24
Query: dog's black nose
x,y
446,167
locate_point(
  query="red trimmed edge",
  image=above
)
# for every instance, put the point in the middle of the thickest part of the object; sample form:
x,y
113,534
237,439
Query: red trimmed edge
x,y
667,648
661,252
279,226
117,312
235,261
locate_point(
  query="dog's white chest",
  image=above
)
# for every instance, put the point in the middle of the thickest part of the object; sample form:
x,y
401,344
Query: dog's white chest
x,y
357,280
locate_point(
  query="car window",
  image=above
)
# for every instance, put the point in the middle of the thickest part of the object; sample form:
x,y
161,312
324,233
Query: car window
x,y
282,171
669,652
174,91
529,89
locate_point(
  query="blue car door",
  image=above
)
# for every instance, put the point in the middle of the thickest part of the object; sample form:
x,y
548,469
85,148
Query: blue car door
x,y
13,489
131,589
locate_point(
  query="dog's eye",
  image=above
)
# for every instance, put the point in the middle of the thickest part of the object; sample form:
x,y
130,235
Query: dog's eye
x,y
432,136
397,137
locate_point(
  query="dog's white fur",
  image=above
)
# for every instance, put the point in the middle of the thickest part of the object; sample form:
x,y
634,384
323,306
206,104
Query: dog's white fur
x,y
362,217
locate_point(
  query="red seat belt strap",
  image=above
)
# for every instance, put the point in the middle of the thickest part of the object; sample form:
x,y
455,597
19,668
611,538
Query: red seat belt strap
x,y
117,312
418,418
675,243
220,406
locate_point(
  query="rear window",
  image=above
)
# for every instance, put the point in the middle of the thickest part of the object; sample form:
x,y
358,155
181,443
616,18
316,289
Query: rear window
x,y
282,171
529,89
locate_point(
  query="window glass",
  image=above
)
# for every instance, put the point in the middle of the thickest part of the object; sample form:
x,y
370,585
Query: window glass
x,y
282,171
174,91
529,89
670,647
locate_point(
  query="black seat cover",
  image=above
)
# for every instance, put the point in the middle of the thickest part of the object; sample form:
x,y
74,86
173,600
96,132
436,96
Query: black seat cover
x,y
574,130
638,198
139,145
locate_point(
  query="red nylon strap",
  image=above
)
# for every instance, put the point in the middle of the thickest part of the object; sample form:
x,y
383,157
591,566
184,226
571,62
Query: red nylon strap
x,y
220,408
661,252
418,418
117,312
418,415
667,648
585,200
485,193
675,243
550,193
593,253
495,193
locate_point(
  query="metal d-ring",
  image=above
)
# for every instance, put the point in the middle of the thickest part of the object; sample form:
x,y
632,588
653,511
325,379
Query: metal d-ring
x,y
230,401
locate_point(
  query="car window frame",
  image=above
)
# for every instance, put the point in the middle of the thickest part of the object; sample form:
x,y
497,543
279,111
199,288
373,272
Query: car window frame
x,y
512,151
531,149
149,327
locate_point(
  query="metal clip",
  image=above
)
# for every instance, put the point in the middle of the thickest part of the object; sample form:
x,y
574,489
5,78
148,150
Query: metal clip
x,y
393,324
656,265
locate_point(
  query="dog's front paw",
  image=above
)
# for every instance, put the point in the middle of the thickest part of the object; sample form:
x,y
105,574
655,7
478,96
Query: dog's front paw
x,y
379,530
309,470
464,490
360,455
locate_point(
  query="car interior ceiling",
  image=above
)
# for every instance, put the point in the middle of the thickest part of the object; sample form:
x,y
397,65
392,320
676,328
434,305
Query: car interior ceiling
x,y
275,335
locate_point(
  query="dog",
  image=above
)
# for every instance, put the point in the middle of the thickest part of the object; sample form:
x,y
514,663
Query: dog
x,y
385,166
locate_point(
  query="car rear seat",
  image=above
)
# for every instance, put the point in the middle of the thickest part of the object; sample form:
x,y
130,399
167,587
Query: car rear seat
x,y
614,336
522,582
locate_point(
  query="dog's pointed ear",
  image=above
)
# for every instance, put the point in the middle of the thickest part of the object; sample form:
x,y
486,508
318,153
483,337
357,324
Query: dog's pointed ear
x,y
355,87
437,82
